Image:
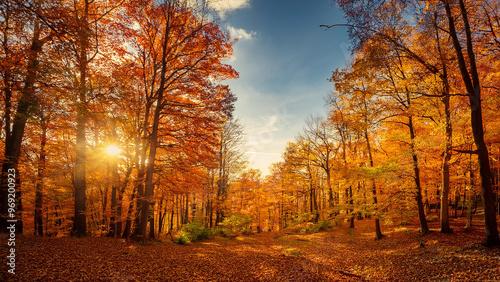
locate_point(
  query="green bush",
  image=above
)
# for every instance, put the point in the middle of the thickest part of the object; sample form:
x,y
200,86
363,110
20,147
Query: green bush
x,y
325,224
322,225
219,231
196,231
192,232
182,239
236,223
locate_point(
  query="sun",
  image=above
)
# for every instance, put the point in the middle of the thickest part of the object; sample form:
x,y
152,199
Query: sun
x,y
113,150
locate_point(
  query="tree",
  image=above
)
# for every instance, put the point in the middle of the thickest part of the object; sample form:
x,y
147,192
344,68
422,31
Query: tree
x,y
16,16
323,146
386,21
470,76
355,87
230,159
184,52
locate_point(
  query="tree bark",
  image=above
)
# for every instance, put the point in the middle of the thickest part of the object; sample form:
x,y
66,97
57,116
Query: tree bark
x,y
119,208
445,169
418,194
127,231
472,84
25,107
40,177
115,185
378,232
445,186
80,184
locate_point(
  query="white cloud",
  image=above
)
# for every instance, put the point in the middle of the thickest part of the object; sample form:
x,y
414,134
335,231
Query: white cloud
x,y
241,33
223,7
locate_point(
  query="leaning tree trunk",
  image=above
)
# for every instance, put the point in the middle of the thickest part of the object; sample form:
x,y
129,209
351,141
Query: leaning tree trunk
x,y
472,84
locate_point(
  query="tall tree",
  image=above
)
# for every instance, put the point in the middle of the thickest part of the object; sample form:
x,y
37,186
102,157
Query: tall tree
x,y
323,148
185,49
230,161
86,23
14,15
470,76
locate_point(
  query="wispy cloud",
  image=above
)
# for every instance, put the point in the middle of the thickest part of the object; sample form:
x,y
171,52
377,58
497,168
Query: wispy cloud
x,y
223,7
241,33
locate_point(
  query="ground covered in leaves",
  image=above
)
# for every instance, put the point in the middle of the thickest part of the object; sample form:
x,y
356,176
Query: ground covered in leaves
x,y
336,254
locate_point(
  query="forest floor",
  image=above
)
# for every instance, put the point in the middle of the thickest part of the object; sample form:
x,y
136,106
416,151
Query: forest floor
x,y
336,254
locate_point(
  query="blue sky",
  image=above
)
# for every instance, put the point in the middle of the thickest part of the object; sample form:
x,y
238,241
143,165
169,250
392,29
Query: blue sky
x,y
284,60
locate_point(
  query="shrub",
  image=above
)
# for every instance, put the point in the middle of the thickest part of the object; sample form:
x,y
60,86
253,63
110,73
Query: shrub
x,y
182,239
236,223
322,225
219,231
192,232
196,231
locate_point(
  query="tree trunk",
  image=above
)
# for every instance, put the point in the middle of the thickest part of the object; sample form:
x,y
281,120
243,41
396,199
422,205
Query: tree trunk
x,y
421,213
445,186
152,222
329,186
40,178
378,232
128,223
80,185
186,210
25,107
351,204
153,140
445,169
472,84
119,208
171,227
115,185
